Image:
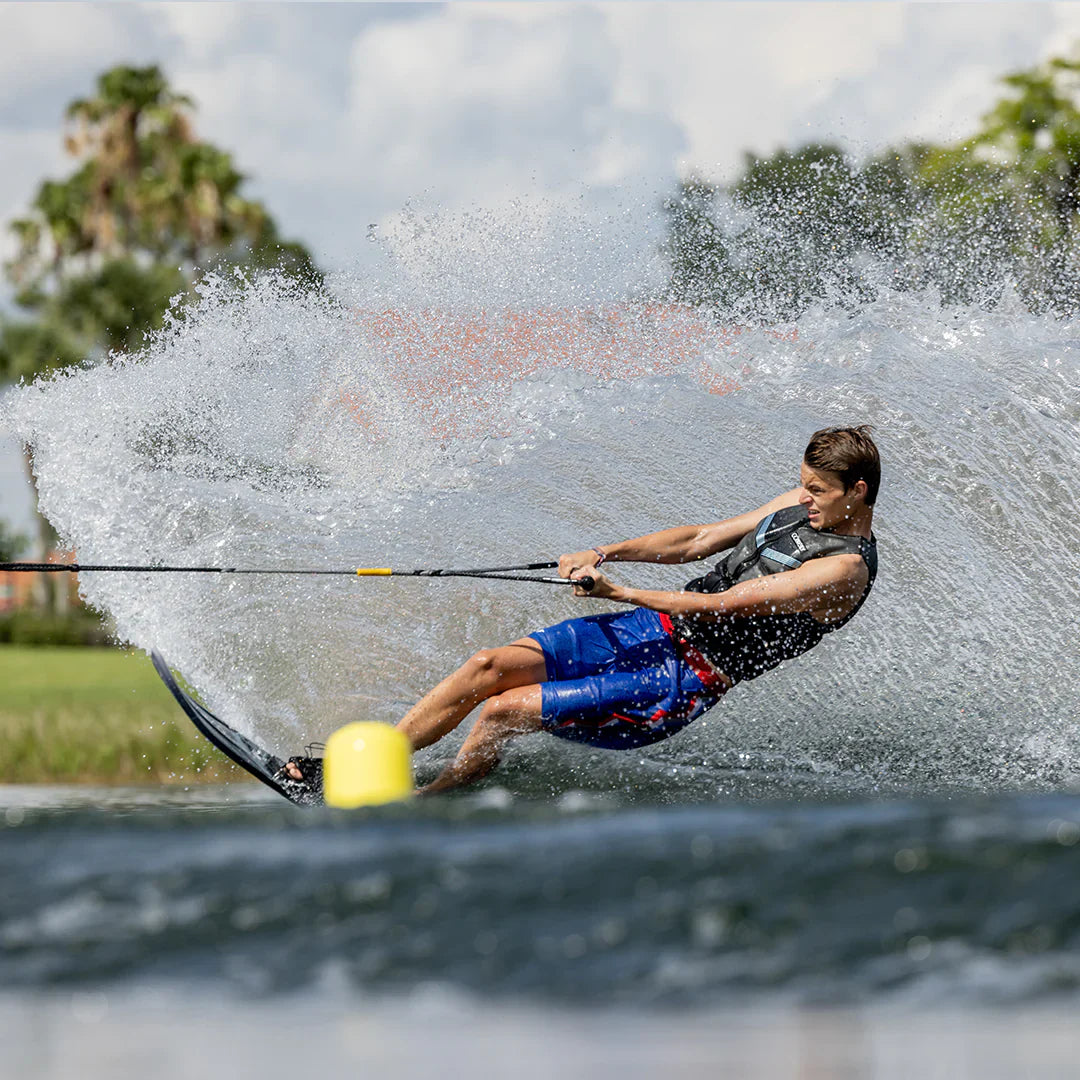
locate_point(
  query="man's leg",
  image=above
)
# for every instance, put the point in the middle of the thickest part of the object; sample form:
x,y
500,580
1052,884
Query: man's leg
x,y
489,672
509,714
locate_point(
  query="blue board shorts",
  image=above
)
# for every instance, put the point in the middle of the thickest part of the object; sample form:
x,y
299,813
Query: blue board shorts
x,y
621,680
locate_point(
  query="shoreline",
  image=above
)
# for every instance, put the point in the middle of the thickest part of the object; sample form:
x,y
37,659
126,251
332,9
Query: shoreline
x,y
97,716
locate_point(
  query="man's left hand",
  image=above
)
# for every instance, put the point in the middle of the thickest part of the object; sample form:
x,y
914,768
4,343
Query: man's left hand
x,y
603,588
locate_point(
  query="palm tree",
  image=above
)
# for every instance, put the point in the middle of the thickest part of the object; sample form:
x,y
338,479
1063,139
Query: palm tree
x,y
101,253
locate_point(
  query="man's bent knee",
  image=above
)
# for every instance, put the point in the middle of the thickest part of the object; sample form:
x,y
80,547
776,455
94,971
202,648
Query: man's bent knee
x,y
503,715
489,668
483,668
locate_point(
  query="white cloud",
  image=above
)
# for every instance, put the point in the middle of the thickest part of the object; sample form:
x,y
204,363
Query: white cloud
x,y
44,45
469,105
1064,38
940,74
268,113
521,14
733,75
201,29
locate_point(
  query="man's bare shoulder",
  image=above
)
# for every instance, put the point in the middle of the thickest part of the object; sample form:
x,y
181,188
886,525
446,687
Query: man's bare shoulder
x,y
831,568
849,566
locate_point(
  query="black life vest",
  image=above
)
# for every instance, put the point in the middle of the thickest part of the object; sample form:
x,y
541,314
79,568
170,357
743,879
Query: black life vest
x,y
743,647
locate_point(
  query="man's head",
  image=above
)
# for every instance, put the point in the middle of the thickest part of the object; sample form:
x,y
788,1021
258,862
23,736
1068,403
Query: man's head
x,y
841,474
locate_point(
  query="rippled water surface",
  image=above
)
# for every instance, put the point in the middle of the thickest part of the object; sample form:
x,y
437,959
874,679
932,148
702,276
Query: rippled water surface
x,y
587,934
576,900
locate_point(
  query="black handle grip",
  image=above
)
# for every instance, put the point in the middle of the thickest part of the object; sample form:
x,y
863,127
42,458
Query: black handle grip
x,y
585,582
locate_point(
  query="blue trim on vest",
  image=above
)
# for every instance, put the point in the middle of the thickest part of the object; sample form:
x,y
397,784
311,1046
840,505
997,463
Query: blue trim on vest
x,y
763,529
780,557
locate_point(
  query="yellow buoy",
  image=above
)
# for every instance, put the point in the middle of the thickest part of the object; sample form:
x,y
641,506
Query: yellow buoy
x,y
366,764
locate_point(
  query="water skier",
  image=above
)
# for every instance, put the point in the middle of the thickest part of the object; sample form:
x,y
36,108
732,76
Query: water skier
x,y
797,568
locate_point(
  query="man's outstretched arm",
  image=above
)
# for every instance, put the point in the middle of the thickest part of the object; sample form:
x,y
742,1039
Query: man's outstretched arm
x,y
825,587
686,543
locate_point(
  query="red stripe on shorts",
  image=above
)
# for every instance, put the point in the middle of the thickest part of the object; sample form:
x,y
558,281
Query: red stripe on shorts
x,y
693,657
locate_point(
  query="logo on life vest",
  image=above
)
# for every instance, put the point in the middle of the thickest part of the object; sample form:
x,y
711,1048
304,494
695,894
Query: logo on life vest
x,y
798,542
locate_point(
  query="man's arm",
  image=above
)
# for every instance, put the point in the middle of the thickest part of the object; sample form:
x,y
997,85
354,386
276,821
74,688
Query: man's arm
x,y
687,543
826,587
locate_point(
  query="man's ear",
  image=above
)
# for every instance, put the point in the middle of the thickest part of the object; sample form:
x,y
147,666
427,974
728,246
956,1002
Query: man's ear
x,y
859,489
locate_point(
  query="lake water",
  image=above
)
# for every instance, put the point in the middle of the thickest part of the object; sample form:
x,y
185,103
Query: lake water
x,y
870,937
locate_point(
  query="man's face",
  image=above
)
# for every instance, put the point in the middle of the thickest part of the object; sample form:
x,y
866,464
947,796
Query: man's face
x,y
824,497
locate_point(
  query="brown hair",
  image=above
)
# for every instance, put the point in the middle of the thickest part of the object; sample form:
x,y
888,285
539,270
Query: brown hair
x,y
848,452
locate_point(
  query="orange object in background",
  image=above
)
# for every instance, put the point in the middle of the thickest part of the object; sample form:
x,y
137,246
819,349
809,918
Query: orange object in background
x,y
16,589
454,364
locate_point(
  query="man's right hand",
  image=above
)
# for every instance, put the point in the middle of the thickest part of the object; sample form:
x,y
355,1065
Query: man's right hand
x,y
580,560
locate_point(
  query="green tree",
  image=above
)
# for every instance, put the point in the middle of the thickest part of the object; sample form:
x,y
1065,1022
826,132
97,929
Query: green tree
x,y
1013,187
102,253
999,208
808,222
1026,152
696,247
778,238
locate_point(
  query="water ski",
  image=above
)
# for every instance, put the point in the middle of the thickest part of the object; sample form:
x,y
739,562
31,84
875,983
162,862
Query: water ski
x,y
263,765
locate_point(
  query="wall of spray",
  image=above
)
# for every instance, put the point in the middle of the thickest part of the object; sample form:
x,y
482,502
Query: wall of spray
x,y
496,401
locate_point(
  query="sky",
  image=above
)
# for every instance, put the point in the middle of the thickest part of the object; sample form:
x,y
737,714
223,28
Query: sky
x,y
343,113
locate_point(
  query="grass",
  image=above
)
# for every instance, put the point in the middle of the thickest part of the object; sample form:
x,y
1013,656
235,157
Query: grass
x,y
95,715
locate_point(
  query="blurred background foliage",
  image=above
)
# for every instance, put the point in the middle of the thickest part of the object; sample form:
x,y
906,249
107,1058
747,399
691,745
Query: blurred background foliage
x,y
994,212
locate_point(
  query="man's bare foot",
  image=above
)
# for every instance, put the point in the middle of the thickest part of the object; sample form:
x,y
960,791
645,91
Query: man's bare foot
x,y
303,769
